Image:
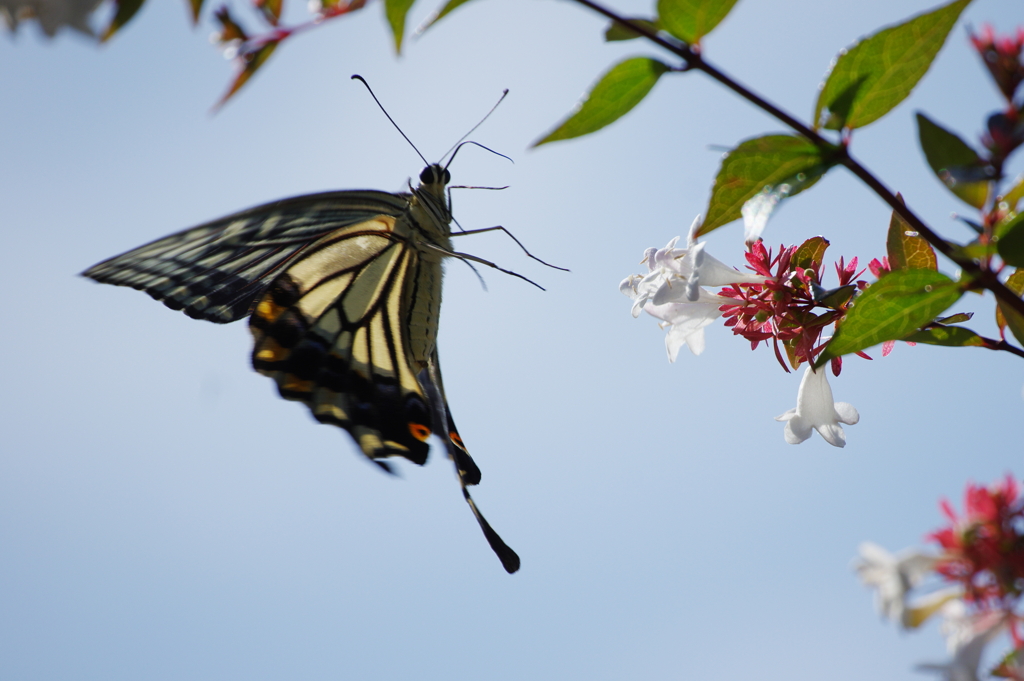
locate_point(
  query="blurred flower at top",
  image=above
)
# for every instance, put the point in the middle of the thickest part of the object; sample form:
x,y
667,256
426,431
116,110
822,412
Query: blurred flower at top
x,y
1002,57
52,15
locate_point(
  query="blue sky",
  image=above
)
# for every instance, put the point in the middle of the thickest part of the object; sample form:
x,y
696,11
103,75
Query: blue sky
x,y
164,515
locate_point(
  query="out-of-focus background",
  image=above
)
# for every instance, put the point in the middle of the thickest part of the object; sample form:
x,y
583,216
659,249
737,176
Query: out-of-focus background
x,y
164,515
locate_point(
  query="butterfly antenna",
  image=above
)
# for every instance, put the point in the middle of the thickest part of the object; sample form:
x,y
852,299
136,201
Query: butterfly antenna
x,y
362,80
462,139
477,144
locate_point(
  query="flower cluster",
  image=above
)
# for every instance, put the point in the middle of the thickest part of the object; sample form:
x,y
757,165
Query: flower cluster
x,y
781,302
978,577
984,548
790,307
1002,56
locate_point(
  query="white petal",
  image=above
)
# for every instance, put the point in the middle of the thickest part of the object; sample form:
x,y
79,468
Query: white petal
x,y
787,416
691,236
797,430
847,413
833,434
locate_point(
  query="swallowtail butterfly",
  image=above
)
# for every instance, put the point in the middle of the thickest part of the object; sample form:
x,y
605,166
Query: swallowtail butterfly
x,y
343,291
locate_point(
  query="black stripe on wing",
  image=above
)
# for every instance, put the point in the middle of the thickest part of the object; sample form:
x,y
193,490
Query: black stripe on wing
x,y
215,271
331,333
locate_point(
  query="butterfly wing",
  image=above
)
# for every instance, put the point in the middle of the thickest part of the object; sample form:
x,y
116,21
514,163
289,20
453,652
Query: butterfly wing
x,y
215,271
465,467
332,331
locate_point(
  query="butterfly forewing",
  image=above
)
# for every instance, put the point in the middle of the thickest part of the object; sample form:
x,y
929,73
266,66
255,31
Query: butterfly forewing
x,y
215,271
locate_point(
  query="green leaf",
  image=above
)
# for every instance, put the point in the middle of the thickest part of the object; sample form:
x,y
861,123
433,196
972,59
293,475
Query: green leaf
x,y
957,318
253,61
229,28
878,73
611,97
395,11
1015,194
1007,316
952,336
810,251
126,9
691,20
440,13
1010,241
197,8
837,297
617,31
892,308
955,163
907,250
271,10
782,163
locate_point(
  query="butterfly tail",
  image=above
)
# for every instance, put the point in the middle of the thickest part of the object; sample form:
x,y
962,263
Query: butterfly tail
x,y
465,467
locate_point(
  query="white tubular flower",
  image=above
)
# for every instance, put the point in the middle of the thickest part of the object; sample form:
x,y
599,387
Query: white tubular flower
x,y
815,409
893,576
686,321
672,290
659,265
967,637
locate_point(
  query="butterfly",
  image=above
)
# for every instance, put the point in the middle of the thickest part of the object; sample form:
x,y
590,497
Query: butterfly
x,y
343,292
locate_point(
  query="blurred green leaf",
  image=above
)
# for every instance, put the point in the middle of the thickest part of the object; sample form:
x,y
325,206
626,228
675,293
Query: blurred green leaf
x,y
440,13
810,251
612,96
957,318
907,250
395,11
229,28
1010,240
772,162
617,31
837,297
975,250
252,62
955,163
271,9
691,20
126,9
1015,194
197,8
952,336
1007,316
892,308
878,73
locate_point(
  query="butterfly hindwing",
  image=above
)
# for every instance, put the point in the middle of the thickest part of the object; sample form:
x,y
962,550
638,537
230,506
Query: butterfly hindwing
x,y
332,332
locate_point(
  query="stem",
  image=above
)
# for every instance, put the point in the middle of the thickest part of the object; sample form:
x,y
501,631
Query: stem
x,y
981,276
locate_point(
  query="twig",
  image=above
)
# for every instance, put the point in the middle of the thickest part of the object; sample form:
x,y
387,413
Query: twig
x,y
984,278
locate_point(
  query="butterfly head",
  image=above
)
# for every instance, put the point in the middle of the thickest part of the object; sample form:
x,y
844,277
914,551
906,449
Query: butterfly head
x,y
435,176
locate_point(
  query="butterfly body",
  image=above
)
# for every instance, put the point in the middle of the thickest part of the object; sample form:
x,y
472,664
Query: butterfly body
x,y
343,292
